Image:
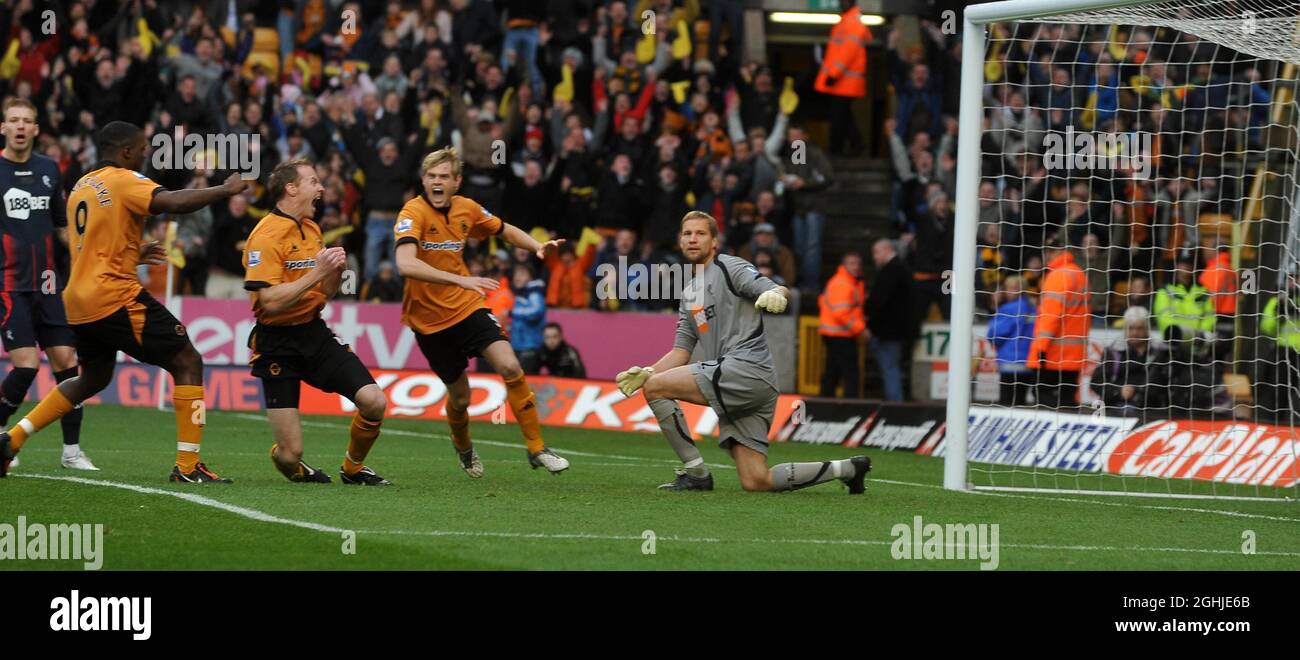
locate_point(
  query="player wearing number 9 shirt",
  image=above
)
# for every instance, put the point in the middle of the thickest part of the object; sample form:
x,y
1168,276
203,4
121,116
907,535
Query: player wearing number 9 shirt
x,y
106,306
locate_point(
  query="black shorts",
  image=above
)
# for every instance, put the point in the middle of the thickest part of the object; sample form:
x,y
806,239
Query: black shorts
x,y
448,350
284,356
143,329
31,317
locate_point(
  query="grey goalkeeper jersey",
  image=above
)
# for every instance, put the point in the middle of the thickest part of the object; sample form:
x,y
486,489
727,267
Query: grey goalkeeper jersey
x,y
717,318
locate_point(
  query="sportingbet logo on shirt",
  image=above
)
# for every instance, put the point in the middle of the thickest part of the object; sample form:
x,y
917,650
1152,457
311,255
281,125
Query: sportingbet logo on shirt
x,y
300,264
403,225
453,246
254,258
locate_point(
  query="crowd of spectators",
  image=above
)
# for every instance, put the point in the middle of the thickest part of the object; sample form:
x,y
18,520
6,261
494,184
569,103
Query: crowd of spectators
x,y
570,115
598,121
1149,229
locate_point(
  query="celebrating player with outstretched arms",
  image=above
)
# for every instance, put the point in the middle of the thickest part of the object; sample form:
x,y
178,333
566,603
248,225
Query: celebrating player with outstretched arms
x,y
445,307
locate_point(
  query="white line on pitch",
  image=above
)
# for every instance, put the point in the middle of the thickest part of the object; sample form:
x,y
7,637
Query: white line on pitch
x,y
252,514
1221,512
1153,507
690,539
261,516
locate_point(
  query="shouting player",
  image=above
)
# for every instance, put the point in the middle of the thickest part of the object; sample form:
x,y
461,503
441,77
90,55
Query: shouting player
x,y
720,316
31,308
108,309
291,274
445,307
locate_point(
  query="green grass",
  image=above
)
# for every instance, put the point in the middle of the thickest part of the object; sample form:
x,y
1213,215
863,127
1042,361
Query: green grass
x,y
591,517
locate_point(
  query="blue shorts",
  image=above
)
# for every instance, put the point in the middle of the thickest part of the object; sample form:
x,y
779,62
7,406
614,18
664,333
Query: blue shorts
x,y
28,318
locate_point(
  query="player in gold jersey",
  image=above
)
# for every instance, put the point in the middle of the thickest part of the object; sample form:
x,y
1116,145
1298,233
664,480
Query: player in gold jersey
x,y
290,275
110,311
445,306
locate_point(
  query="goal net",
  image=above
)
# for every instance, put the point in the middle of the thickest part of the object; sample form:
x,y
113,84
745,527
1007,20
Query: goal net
x,y
1126,204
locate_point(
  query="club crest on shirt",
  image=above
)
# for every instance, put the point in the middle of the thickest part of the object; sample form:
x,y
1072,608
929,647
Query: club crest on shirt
x,y
702,316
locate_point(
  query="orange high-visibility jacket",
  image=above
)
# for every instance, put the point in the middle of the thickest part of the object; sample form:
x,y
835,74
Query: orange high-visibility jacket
x,y
844,68
501,301
1221,281
840,306
1061,331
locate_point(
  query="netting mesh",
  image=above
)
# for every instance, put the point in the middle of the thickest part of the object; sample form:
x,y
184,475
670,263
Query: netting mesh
x,y
1265,29
1137,244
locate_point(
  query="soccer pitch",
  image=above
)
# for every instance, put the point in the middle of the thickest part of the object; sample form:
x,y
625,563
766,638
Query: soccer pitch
x,y
601,514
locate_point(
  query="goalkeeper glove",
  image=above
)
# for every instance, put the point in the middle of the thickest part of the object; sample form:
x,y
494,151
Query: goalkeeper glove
x,y
771,301
631,380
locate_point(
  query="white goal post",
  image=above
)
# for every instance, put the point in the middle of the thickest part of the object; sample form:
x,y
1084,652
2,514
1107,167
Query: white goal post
x,y
1210,21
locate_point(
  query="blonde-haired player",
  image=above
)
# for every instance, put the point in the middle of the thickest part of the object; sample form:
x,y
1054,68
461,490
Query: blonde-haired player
x,y
720,322
445,306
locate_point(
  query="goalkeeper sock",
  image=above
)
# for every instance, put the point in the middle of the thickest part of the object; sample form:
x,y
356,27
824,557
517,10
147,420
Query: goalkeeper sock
x,y
291,472
71,422
363,434
524,404
459,423
793,476
191,416
13,390
52,407
673,423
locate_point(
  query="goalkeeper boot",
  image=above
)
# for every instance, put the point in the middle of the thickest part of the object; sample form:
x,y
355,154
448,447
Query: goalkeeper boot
x,y
199,475
549,460
857,483
363,477
685,481
7,455
310,475
470,463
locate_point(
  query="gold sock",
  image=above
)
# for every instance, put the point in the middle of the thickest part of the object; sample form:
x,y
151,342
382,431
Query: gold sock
x,y
362,438
459,423
54,406
523,404
191,416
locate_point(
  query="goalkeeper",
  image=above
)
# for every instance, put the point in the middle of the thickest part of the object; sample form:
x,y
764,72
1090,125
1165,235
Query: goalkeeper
x,y
720,319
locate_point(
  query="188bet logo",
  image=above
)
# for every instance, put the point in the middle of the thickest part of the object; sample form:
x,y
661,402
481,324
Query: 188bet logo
x,y
19,203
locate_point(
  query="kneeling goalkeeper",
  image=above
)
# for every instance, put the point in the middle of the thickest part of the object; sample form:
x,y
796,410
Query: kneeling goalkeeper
x,y
720,316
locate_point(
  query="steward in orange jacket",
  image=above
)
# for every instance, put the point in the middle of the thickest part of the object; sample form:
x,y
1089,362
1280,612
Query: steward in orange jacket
x,y
842,324
1060,345
841,304
1221,281
844,68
